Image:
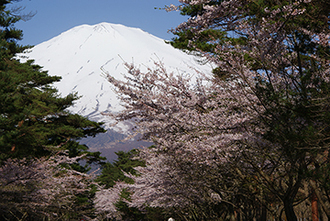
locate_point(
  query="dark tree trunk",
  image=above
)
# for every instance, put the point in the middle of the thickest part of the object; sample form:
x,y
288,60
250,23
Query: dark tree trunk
x,y
263,216
289,212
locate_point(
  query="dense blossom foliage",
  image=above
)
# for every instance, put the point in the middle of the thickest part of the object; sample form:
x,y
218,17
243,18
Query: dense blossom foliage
x,y
41,188
253,133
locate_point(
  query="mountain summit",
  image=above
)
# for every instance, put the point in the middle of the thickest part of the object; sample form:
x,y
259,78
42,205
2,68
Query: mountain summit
x,y
80,55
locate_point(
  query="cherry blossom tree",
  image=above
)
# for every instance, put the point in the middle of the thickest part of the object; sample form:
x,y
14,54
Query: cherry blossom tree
x,y
106,199
35,189
184,166
260,121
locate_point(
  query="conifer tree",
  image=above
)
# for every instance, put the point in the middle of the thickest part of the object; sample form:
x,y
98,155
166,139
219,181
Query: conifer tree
x,y
34,119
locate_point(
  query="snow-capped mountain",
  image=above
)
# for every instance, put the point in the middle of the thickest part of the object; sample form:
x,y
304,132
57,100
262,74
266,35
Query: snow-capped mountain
x,y
82,54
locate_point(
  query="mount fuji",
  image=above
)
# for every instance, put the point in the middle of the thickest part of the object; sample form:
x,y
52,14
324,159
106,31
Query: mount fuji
x,y
84,54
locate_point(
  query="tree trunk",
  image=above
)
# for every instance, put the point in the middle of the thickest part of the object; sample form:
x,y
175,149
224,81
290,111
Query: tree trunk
x,y
263,216
289,212
320,201
315,216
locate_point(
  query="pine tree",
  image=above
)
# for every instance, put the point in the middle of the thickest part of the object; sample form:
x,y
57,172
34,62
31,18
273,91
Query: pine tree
x,y
34,119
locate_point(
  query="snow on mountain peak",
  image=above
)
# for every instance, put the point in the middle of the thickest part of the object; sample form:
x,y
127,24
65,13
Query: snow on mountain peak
x,y
80,54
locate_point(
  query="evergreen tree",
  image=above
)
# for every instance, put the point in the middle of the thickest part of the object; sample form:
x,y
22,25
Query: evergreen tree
x,y
113,172
34,119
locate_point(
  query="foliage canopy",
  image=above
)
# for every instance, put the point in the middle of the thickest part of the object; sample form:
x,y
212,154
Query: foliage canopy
x,y
34,119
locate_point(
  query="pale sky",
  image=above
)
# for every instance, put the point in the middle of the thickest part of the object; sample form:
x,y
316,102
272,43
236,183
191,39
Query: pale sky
x,y
56,16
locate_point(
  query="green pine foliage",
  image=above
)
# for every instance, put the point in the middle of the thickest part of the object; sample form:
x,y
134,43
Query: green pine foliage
x,y
34,119
209,38
113,172
203,42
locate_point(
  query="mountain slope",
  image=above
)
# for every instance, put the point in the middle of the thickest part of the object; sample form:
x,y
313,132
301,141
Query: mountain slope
x,y
81,54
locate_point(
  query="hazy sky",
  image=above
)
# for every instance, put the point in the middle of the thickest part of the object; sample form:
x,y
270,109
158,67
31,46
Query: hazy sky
x,y
56,16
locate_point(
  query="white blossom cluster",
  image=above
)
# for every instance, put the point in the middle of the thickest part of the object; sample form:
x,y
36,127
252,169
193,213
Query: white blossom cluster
x,y
38,184
201,127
